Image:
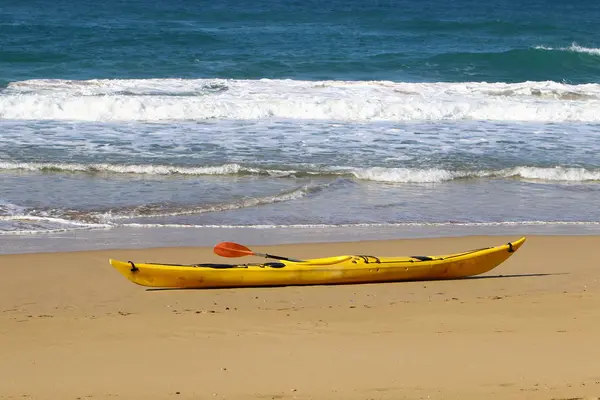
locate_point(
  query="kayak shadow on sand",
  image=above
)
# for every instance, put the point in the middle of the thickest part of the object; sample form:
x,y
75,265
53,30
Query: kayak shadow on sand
x,y
508,276
374,283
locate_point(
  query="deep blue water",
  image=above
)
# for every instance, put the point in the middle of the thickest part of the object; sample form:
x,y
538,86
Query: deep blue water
x,y
403,40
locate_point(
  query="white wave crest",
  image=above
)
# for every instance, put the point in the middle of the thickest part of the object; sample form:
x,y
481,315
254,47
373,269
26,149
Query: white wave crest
x,y
406,175
377,174
367,225
433,175
149,212
167,100
108,87
574,47
32,225
226,169
33,218
553,174
26,232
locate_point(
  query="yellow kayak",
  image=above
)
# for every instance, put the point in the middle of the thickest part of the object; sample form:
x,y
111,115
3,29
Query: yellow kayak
x,y
330,270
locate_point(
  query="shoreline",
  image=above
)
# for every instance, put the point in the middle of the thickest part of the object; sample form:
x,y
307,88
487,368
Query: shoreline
x,y
163,237
71,326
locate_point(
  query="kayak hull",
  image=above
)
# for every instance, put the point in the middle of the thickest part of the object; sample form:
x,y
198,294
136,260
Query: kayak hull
x,y
332,270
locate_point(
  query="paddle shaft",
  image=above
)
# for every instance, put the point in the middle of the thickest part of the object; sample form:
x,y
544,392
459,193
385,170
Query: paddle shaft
x,y
275,257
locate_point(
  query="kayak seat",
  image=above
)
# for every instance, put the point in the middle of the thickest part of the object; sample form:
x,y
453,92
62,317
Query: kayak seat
x,y
274,264
422,258
220,266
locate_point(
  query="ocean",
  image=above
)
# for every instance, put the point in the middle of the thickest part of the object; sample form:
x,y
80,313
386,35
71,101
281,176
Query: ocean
x,y
151,123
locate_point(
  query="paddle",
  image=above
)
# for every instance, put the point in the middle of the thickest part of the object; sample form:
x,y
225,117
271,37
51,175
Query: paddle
x,y
230,249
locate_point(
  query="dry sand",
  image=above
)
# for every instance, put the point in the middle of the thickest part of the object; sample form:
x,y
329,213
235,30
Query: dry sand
x,y
72,328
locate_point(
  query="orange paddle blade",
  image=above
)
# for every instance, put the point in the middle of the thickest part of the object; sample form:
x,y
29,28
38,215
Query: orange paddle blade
x,y
230,249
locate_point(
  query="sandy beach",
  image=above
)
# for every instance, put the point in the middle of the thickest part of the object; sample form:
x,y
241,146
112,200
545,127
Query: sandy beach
x,y
72,328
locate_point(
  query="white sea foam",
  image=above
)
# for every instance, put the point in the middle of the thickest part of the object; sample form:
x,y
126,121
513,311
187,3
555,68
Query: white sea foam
x,y
25,224
364,225
404,175
574,47
26,232
226,169
176,99
66,228
378,174
553,174
8,209
148,212
33,218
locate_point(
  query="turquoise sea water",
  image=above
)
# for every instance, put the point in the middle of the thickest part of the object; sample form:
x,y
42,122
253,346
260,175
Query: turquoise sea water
x,y
384,118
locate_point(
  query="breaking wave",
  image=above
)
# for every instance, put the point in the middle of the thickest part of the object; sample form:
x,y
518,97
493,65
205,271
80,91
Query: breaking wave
x,y
575,48
377,174
214,99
